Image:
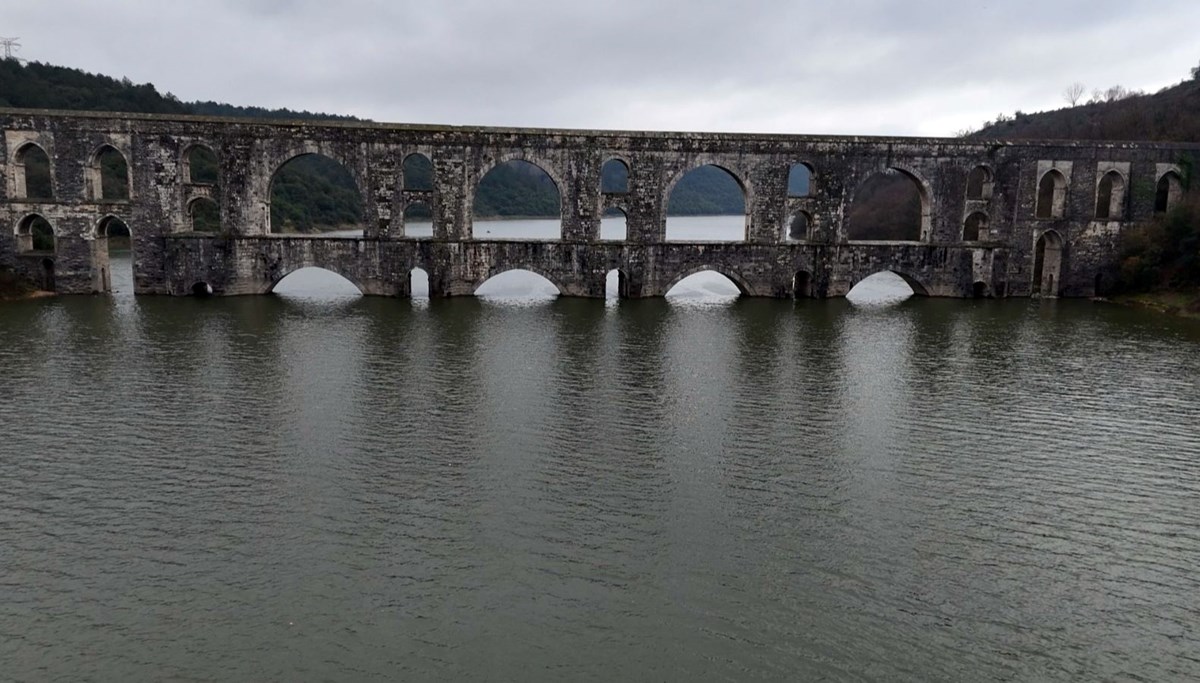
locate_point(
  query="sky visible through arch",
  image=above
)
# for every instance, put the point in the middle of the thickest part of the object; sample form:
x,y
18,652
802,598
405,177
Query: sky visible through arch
x,y
916,67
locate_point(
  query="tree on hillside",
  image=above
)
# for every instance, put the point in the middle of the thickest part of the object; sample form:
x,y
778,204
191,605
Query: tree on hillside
x,y
1073,92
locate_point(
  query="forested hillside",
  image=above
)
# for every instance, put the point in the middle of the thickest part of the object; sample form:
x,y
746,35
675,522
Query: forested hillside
x,y
314,193
1161,254
1117,114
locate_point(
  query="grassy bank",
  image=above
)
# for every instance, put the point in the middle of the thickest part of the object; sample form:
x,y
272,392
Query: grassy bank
x,y
1180,302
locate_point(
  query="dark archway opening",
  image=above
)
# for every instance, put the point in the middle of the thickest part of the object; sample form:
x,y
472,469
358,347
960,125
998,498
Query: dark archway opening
x,y
202,290
1052,195
979,184
1047,265
108,175
707,204
1168,192
34,164
35,234
418,173
975,228
799,226
1110,197
312,193
802,285
200,165
517,200
979,290
614,177
205,216
889,206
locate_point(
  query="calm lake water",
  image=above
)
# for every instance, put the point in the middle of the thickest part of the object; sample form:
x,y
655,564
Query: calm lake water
x,y
316,485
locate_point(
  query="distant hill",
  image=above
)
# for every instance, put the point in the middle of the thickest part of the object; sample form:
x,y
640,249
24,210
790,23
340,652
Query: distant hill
x,y
1172,114
314,193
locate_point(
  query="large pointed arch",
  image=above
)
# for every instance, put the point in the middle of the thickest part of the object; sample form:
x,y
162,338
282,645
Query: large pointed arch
x,y
892,204
108,174
33,173
521,166
312,191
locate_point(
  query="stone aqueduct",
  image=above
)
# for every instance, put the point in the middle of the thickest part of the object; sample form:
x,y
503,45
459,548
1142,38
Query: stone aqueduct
x,y
1048,214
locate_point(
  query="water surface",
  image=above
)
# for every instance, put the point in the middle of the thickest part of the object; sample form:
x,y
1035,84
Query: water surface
x,y
316,485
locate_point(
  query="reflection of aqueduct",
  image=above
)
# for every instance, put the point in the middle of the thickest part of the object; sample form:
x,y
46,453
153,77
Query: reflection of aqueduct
x,y
997,218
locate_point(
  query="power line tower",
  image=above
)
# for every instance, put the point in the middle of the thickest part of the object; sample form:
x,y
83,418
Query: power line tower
x,y
10,46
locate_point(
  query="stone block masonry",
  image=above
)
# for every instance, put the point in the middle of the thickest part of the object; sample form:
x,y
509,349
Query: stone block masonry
x,y
1039,202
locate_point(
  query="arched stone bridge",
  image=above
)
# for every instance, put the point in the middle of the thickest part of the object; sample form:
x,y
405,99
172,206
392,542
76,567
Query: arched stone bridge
x,y
998,218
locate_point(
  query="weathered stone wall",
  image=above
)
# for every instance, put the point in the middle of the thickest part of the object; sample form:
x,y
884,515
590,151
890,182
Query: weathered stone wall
x,y
245,259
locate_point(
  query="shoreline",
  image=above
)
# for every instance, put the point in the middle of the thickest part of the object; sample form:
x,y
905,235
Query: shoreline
x,y
1180,303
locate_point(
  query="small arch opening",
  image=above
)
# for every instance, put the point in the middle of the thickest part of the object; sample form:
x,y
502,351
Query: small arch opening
x,y
979,290
35,234
1052,194
313,193
1047,265
202,290
1110,197
114,237
418,282
979,184
705,286
200,165
616,284
707,204
204,215
418,172
800,180
885,288
32,171
517,284
614,177
517,200
614,225
889,206
108,175
418,220
1168,192
975,228
802,285
799,226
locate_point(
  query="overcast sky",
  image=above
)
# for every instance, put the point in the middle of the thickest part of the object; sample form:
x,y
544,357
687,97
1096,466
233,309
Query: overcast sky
x,y
914,67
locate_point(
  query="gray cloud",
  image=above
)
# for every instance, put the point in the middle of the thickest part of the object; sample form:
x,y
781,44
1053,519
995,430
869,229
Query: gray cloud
x,y
916,67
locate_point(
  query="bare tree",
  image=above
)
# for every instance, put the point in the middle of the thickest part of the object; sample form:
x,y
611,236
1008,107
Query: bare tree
x,y
1073,92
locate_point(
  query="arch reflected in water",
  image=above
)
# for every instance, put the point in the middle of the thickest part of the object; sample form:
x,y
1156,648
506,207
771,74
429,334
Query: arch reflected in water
x,y
517,284
884,288
705,286
315,283
418,282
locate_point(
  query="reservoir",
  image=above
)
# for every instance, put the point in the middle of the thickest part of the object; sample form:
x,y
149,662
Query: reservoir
x,y
316,485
